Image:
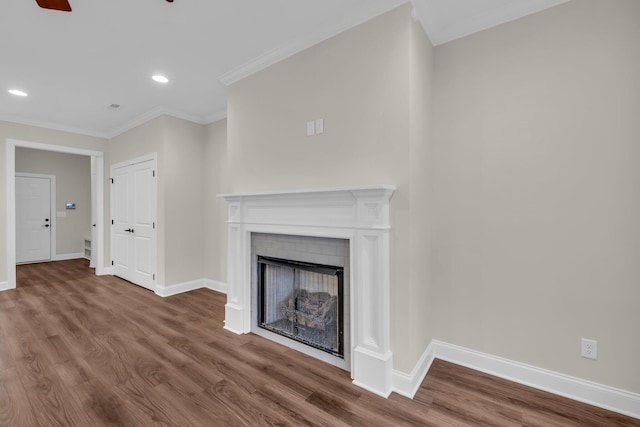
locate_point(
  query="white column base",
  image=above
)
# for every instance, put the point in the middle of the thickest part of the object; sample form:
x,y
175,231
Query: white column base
x,y
233,315
372,371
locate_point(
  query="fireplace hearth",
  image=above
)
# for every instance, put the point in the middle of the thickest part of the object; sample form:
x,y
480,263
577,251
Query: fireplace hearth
x,y
302,301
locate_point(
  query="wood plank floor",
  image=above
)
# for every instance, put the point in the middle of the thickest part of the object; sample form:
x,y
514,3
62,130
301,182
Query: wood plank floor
x,y
81,350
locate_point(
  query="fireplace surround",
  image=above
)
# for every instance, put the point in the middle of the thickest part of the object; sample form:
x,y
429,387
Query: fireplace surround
x,y
357,214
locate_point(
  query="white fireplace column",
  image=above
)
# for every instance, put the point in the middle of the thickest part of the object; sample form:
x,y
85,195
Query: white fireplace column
x,y
359,214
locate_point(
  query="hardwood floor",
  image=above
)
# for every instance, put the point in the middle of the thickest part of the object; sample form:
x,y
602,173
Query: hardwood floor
x,y
81,350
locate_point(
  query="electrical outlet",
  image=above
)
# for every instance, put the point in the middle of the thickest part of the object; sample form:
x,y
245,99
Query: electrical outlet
x,y
589,349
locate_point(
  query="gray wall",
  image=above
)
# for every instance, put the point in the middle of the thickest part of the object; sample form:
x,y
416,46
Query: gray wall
x,y
536,173
73,184
215,215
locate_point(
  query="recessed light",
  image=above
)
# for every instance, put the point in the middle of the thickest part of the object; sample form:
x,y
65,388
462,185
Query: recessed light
x,y
160,78
17,92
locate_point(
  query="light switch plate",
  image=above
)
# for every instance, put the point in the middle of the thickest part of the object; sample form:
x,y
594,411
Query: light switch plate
x,y
311,130
319,126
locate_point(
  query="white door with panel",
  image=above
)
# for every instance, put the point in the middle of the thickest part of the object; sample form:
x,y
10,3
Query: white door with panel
x,y
33,219
133,233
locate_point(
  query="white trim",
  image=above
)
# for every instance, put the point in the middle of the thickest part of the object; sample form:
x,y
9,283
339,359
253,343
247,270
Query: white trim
x,y
52,126
179,288
4,286
52,208
311,191
407,385
135,161
134,122
440,33
10,170
64,257
106,271
218,115
10,193
98,246
92,235
54,148
296,45
161,111
214,285
602,396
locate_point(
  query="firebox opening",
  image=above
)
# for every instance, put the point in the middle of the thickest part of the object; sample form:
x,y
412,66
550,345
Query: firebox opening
x,y
302,301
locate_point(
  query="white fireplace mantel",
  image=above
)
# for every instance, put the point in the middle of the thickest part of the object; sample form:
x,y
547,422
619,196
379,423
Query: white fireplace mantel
x,y
359,214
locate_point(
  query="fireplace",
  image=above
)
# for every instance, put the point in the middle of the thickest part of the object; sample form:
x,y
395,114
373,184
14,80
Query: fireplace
x,y
303,302
357,216
288,269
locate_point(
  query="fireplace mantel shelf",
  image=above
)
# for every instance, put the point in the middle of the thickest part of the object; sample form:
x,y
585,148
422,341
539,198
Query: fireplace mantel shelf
x,y
359,189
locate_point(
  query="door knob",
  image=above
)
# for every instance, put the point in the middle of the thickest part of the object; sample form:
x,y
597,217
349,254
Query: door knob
x,y
129,230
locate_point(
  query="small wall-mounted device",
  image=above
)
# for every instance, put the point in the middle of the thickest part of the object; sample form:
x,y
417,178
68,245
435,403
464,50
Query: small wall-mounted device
x,y
70,205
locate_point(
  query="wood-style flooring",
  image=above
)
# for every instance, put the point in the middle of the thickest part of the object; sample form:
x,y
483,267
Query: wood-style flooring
x,y
81,350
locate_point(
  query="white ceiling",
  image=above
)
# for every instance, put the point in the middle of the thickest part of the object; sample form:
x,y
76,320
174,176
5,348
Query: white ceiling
x,y
75,65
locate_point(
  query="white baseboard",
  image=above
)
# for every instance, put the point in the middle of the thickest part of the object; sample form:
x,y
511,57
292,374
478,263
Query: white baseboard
x,y
64,257
214,285
4,286
106,271
407,385
178,288
599,395
167,291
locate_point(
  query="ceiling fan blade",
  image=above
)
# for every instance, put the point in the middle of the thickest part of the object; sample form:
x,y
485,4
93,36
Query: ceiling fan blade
x,y
55,4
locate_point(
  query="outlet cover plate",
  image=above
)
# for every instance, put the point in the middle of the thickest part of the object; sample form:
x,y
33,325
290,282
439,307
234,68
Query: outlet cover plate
x,y
589,348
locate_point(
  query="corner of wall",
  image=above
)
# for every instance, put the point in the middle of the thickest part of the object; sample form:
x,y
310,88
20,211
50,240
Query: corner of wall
x,y
588,392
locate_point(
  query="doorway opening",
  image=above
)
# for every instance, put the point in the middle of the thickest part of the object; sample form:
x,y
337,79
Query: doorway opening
x,y
97,170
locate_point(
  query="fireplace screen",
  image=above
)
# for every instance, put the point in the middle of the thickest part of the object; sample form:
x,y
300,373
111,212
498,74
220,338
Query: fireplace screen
x,y
302,301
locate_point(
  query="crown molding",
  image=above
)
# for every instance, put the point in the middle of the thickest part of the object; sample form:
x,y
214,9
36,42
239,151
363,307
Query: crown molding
x,y
135,122
53,126
218,115
440,33
161,111
285,51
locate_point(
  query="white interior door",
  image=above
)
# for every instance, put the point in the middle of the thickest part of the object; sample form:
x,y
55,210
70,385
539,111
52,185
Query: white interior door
x,y
133,222
33,219
94,210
